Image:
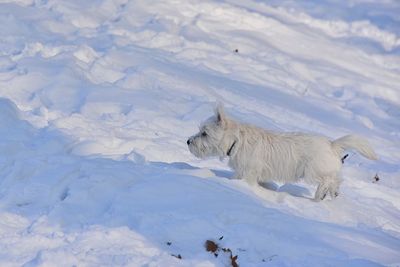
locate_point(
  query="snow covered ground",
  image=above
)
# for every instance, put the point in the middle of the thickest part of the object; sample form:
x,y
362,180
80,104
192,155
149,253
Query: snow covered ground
x,y
98,97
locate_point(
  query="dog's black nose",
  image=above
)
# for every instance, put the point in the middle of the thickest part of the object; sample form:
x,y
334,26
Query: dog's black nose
x,y
188,142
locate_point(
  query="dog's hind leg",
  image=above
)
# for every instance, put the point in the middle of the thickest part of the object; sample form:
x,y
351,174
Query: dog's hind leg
x,y
328,185
334,188
322,190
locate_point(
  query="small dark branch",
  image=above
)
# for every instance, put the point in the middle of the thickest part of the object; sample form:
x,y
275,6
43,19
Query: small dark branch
x,y
344,157
226,250
177,256
376,178
270,258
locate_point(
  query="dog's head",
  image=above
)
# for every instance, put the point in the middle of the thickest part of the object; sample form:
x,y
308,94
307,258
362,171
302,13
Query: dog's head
x,y
215,138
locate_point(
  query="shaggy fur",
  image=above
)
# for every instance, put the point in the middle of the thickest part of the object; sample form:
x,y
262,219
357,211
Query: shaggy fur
x,y
258,155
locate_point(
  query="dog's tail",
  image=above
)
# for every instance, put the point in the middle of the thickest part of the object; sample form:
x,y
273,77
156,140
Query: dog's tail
x,y
354,142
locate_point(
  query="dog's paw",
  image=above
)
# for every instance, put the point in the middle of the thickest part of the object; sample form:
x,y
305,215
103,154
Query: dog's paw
x,y
318,198
334,192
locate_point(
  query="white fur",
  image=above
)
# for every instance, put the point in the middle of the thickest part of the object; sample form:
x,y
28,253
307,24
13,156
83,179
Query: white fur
x,y
258,155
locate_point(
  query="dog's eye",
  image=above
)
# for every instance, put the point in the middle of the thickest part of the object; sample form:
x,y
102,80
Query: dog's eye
x,y
203,134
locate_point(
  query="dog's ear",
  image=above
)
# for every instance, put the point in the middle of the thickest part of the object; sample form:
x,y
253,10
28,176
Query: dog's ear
x,y
220,114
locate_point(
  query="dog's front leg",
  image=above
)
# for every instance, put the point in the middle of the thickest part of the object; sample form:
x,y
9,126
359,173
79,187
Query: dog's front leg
x,y
250,177
246,171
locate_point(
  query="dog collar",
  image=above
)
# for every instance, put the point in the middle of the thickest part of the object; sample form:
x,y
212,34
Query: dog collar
x,y
230,149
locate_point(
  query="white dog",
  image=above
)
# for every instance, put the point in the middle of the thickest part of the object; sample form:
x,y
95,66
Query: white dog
x,y
257,155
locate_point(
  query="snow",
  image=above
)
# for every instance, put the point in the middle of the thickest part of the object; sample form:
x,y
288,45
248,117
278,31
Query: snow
x,y
98,97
